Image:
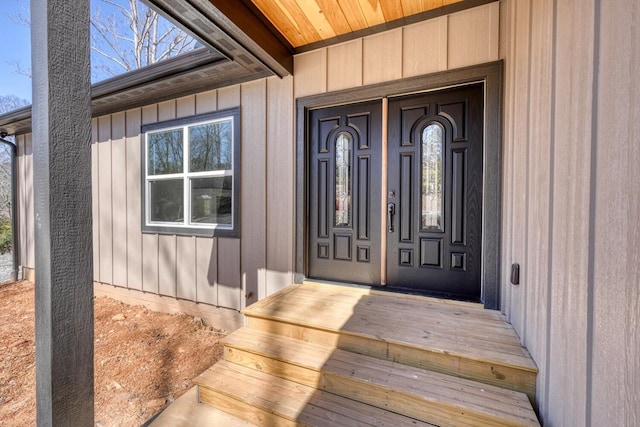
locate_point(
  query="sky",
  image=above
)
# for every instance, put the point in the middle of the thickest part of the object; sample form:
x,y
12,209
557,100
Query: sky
x,y
15,45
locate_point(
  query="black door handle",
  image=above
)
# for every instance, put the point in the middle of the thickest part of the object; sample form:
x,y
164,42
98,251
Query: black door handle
x,y
391,211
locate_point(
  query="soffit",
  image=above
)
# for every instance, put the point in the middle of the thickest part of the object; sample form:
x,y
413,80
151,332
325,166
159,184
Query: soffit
x,y
192,72
309,22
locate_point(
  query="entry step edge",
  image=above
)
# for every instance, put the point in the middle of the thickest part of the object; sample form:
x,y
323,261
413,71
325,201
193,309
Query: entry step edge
x,y
415,392
380,290
264,399
278,307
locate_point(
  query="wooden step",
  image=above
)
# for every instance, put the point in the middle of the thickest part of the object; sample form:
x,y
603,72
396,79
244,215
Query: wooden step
x,y
455,338
186,411
266,400
417,393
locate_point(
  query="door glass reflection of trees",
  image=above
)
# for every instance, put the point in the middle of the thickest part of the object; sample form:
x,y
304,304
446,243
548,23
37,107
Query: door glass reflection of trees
x,y
344,141
432,160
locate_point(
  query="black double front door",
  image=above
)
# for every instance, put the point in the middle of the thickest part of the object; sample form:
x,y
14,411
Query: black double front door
x,y
422,229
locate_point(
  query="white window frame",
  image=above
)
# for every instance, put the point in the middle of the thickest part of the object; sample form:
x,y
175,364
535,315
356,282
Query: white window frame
x,y
187,227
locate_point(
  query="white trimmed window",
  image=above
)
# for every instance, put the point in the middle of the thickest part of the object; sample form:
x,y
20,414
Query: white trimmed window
x,y
191,175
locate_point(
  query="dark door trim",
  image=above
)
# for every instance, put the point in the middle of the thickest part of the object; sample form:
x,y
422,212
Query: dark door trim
x,y
491,75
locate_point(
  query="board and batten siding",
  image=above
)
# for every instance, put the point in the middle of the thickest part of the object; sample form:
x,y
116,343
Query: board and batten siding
x,y
228,273
452,41
571,203
224,272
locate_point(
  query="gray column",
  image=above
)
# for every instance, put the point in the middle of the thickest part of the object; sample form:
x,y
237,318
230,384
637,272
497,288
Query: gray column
x,y
62,191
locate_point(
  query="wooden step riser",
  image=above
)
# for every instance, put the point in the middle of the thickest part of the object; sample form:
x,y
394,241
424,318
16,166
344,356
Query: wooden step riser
x,y
436,412
301,375
508,377
243,410
261,417
464,330
266,400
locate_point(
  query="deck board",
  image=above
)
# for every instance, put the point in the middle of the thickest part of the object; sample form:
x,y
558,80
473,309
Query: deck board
x,y
463,329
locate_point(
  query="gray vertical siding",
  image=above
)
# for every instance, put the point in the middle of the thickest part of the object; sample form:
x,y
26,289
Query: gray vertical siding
x,y
254,191
280,185
615,229
223,272
571,169
149,241
133,121
119,198
571,204
206,256
104,198
95,202
229,283
547,172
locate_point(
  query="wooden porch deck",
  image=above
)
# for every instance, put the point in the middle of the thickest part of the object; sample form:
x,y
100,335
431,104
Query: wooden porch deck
x,y
317,354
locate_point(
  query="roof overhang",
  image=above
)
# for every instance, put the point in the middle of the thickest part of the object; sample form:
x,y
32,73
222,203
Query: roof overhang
x,y
196,71
240,47
234,28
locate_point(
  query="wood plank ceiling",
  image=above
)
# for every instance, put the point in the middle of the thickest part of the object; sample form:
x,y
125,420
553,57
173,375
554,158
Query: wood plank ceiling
x,y
304,22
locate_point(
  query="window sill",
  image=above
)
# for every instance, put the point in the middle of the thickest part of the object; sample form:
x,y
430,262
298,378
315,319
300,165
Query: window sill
x,y
189,232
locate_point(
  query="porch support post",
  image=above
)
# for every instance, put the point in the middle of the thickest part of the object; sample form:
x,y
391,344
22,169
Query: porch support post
x,y
62,194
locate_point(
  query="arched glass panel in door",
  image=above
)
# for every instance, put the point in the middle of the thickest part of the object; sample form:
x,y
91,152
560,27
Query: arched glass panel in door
x,y
344,142
432,192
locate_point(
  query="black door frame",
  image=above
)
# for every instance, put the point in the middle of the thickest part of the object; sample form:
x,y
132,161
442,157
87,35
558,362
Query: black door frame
x,y
490,75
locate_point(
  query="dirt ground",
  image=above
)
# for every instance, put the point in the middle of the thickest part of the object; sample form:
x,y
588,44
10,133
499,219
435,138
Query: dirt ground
x,y
143,359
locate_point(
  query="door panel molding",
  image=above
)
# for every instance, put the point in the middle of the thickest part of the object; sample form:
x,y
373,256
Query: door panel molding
x,y
490,75
435,166
343,191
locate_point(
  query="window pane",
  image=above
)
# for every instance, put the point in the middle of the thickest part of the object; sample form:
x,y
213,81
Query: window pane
x,y
210,146
165,152
343,180
211,200
166,199
432,142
